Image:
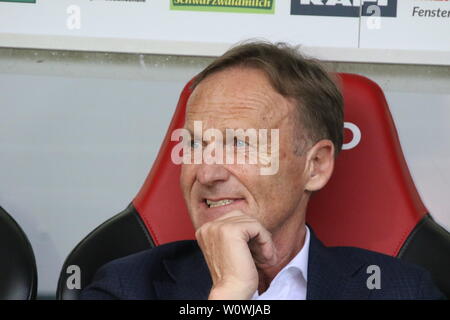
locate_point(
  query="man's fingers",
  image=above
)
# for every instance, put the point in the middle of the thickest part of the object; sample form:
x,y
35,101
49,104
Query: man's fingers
x,y
258,238
263,249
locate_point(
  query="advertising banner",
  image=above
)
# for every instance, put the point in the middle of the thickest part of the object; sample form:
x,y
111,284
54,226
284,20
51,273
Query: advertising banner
x,y
393,31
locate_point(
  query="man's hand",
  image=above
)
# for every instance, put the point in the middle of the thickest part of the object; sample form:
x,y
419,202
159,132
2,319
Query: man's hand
x,y
234,245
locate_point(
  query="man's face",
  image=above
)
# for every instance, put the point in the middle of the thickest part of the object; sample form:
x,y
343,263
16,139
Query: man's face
x,y
243,98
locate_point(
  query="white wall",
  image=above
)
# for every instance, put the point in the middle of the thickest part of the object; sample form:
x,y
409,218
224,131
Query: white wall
x,y
79,132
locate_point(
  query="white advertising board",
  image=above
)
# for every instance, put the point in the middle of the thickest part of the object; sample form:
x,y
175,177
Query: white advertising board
x,y
390,31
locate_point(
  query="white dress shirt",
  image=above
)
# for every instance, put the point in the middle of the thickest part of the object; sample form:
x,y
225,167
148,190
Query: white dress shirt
x,y
290,282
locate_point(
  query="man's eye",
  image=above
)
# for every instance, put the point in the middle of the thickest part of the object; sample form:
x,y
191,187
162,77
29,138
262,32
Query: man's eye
x,y
239,143
195,144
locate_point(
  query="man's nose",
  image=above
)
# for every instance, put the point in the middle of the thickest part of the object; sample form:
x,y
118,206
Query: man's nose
x,y
209,174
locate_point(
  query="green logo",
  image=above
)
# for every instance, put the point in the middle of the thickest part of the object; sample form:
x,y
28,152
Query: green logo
x,y
24,1
242,6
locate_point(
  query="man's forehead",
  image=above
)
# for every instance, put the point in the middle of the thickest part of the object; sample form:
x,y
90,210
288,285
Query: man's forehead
x,y
234,78
228,117
228,97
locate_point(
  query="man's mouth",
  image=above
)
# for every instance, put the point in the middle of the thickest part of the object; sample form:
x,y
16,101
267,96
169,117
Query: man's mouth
x,y
223,202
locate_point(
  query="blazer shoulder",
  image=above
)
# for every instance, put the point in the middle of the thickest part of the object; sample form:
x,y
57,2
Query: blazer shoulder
x,y
368,256
130,277
399,279
153,256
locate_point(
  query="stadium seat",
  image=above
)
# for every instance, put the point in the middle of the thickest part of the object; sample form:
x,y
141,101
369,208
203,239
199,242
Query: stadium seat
x,y
18,274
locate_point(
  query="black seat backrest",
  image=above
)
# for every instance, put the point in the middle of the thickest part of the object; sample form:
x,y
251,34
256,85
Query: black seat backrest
x,y
18,273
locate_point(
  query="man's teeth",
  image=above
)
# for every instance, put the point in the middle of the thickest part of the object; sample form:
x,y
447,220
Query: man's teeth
x,y
219,203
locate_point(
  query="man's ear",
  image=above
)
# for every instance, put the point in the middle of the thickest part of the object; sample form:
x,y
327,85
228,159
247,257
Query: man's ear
x,y
319,165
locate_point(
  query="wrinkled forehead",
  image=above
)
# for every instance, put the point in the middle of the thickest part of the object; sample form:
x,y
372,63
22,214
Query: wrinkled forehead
x,y
237,98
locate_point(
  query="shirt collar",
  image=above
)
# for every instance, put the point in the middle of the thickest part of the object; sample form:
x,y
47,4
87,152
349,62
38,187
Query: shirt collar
x,y
300,261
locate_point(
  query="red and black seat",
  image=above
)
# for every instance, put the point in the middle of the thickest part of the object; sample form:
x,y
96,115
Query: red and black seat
x,y
370,202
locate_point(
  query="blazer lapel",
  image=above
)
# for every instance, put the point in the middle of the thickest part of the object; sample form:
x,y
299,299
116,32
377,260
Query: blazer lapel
x,y
187,279
330,278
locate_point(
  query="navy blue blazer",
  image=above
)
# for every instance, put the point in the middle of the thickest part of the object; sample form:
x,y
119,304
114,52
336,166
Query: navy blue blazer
x,y
178,271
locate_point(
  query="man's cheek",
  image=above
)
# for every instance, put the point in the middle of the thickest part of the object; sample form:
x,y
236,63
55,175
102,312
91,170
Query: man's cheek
x,y
187,176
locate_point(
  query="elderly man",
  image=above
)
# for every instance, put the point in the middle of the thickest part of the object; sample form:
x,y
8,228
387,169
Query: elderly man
x,y
252,240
